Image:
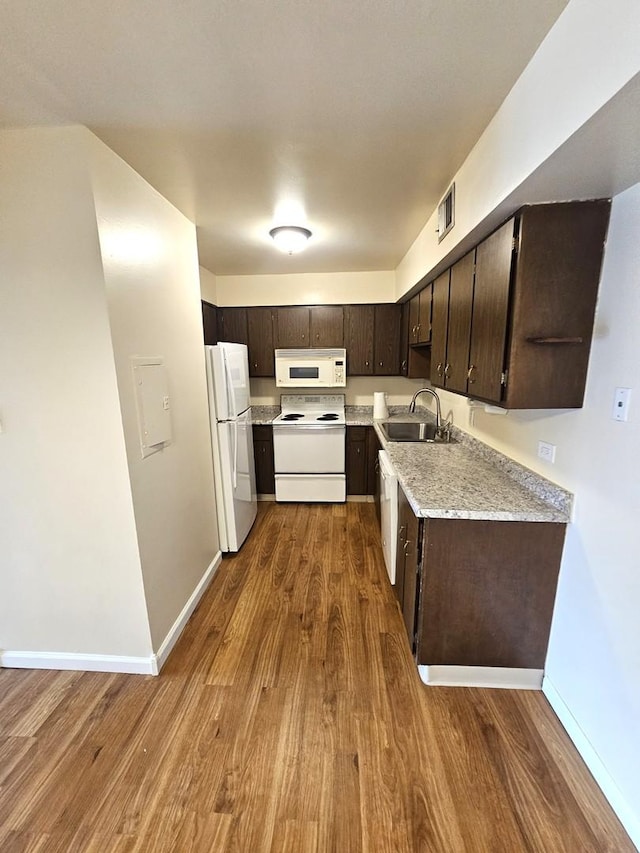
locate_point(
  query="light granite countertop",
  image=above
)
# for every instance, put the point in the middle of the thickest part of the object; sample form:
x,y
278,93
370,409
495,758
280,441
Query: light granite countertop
x,y
464,479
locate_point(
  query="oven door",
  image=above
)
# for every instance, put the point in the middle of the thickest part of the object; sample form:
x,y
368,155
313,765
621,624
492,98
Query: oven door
x,y
309,449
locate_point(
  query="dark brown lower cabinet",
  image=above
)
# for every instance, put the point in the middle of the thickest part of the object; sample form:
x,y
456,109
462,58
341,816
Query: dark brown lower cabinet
x,y
477,593
362,461
407,564
263,455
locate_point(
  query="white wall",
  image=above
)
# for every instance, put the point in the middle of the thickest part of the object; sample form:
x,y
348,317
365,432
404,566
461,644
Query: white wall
x,y
358,392
307,288
208,286
585,60
152,285
70,578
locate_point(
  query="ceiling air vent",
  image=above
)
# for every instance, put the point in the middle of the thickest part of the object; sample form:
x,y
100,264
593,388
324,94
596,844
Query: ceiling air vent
x,y
447,213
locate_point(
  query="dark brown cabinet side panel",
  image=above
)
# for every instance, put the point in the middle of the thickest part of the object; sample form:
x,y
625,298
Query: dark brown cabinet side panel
x,y
557,276
232,325
488,589
459,329
490,314
291,327
387,340
209,323
327,326
263,455
439,324
358,339
260,336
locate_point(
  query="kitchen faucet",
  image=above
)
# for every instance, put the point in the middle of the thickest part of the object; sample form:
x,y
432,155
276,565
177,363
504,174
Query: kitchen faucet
x,y
412,405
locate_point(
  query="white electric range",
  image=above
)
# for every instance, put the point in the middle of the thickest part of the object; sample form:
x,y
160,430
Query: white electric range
x,y
309,448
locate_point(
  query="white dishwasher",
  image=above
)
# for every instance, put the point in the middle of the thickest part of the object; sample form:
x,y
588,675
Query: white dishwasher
x,y
388,512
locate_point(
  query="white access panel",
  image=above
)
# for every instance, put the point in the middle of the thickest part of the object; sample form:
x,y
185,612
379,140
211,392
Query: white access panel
x,y
152,403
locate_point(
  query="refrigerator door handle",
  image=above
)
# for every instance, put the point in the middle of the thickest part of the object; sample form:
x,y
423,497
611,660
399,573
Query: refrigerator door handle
x,y
231,397
234,470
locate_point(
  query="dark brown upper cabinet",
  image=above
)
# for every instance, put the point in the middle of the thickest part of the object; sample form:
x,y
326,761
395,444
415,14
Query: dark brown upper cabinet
x,y
420,317
515,328
260,334
386,350
452,305
327,326
209,323
232,325
291,327
358,339
372,339
440,323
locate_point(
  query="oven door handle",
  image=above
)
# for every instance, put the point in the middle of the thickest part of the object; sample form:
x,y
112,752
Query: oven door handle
x,y
308,426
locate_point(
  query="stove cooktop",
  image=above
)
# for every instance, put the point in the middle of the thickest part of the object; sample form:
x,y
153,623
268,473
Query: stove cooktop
x,y
305,409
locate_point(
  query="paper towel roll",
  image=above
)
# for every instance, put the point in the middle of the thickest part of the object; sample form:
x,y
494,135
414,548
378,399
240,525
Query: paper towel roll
x,y
380,410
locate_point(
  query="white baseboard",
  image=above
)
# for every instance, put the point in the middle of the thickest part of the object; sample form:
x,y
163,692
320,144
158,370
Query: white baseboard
x,y
80,662
593,761
114,663
159,659
482,676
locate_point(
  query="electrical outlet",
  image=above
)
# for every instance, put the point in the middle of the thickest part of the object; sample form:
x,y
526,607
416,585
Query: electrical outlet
x,y
547,451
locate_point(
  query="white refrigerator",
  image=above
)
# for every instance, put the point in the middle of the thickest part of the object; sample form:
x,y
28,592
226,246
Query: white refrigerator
x,y
231,442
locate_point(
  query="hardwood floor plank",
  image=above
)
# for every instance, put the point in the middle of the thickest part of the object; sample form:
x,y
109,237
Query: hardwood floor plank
x,y
290,717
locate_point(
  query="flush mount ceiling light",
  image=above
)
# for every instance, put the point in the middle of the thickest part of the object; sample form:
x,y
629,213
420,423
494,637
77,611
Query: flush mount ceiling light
x,y
290,238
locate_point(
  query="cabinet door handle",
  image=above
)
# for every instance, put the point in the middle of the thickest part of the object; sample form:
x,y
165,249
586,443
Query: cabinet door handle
x,y
401,532
407,542
446,370
439,368
366,364
469,372
381,364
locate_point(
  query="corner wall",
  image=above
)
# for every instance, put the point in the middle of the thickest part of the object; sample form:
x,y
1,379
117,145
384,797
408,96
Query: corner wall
x,y
152,283
71,580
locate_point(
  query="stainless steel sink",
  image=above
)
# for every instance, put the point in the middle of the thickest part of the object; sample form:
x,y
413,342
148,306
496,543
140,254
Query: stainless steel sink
x,y
412,431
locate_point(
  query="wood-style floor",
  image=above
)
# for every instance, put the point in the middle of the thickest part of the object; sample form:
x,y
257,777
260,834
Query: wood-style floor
x,y
290,717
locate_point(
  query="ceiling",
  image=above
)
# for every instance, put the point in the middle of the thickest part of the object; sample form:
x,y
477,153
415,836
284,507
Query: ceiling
x,y
348,118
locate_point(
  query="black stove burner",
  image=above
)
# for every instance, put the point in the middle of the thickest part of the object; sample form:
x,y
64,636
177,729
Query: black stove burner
x,y
328,417
292,417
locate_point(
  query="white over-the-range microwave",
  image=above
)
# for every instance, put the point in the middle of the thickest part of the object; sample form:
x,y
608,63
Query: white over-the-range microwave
x,y
311,368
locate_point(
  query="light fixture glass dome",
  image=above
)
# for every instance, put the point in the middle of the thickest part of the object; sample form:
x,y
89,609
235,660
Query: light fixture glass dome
x,y
290,238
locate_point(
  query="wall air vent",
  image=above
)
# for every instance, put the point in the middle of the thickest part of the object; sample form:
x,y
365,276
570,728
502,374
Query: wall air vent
x,y
447,213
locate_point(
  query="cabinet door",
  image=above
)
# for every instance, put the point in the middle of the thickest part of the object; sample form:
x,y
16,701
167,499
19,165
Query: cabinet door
x,y
356,460
404,338
424,315
292,327
232,325
209,323
490,314
411,550
358,339
414,318
459,327
327,326
440,322
387,340
263,455
260,334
